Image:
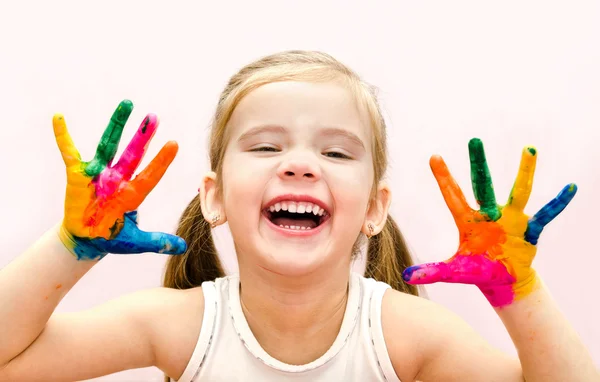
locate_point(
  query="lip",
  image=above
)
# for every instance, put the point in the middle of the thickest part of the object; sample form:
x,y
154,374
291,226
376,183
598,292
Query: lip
x,y
298,198
295,232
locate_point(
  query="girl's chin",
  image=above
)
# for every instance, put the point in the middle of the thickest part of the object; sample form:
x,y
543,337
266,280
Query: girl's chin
x,y
290,261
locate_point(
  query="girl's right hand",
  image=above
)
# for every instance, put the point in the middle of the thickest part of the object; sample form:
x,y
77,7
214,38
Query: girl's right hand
x,y
101,199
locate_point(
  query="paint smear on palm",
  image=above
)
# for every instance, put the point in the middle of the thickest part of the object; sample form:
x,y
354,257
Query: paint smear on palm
x,y
101,199
497,243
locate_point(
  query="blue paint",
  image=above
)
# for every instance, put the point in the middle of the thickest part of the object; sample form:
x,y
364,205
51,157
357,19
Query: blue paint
x,y
129,240
536,224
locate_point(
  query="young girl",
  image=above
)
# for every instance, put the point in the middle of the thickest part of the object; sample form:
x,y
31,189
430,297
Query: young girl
x,y
298,156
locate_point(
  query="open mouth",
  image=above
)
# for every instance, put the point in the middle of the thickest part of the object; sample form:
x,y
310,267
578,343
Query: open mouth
x,y
296,215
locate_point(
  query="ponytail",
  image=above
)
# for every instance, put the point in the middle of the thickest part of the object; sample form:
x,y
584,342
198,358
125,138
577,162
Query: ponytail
x,y
200,262
388,256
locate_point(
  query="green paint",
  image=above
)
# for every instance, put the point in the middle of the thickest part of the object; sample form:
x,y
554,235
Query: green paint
x,y
109,143
510,197
481,180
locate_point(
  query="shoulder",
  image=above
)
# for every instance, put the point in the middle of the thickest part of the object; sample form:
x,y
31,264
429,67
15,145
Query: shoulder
x,y
404,320
172,319
424,339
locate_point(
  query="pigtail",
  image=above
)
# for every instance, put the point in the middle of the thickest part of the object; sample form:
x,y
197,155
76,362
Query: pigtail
x,y
388,256
200,262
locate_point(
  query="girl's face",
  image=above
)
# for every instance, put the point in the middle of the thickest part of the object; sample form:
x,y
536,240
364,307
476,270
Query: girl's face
x,y
297,176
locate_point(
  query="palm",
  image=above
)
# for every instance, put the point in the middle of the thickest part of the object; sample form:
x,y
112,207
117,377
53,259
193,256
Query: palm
x,y
497,243
102,199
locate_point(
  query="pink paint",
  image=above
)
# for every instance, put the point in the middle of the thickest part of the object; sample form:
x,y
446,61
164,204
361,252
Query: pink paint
x,y
112,178
490,276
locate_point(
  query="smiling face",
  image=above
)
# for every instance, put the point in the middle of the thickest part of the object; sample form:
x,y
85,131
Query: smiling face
x,y
297,176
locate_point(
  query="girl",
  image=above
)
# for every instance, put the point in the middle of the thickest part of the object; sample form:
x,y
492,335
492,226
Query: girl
x,y
298,155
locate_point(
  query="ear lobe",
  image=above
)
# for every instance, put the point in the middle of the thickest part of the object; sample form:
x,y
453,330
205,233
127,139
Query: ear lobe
x,y
210,201
377,212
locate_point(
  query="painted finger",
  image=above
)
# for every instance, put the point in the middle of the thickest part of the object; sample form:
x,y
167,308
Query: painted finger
x,y
464,269
551,210
67,148
135,151
481,180
109,143
131,240
453,195
145,181
519,196
426,273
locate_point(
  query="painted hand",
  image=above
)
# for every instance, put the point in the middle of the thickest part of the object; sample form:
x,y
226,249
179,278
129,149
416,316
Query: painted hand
x,y
497,243
101,199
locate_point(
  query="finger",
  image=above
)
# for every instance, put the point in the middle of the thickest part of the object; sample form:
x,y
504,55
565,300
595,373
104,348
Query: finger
x,y
135,151
132,240
145,181
67,148
482,180
109,143
551,210
426,273
519,196
453,195
474,269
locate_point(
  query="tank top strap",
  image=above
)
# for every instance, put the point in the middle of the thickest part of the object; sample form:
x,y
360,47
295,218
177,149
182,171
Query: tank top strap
x,y
206,332
376,331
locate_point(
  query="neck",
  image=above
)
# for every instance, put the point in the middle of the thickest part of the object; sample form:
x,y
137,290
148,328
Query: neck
x,y
295,319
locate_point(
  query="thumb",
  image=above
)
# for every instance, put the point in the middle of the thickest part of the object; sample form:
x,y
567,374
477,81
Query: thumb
x,y
463,269
132,240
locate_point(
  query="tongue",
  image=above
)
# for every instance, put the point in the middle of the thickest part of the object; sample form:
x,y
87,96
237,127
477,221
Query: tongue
x,y
308,223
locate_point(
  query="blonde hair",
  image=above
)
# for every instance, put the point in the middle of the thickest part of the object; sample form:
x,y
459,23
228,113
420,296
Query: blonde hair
x,y
387,254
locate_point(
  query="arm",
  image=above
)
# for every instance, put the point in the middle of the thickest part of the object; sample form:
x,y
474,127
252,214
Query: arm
x,y
548,346
447,349
496,251
28,299
155,327
100,218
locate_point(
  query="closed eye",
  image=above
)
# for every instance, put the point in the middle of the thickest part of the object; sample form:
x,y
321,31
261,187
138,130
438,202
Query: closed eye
x,y
265,149
337,155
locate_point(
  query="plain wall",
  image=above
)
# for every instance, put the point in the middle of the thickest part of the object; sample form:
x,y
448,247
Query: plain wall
x,y
513,74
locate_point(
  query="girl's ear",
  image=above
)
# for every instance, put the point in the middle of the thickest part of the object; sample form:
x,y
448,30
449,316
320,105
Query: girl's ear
x,y
210,201
377,212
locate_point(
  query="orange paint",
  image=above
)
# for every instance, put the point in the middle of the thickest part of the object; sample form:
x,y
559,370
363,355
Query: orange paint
x,y
497,244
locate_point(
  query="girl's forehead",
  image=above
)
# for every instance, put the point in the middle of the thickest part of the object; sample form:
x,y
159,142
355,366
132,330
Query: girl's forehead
x,y
303,106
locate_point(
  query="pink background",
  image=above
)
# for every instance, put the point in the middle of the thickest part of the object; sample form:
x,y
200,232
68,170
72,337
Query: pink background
x,y
513,75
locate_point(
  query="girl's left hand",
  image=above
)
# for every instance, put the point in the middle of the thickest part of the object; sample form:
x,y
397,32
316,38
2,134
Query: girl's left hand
x,y
497,243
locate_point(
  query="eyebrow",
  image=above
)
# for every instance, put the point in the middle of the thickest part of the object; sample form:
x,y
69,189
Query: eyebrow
x,y
328,131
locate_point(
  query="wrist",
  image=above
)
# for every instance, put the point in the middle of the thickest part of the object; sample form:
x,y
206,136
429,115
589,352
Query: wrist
x,y
80,248
500,296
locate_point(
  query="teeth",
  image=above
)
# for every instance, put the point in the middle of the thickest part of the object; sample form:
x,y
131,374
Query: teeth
x,y
301,208
295,227
298,207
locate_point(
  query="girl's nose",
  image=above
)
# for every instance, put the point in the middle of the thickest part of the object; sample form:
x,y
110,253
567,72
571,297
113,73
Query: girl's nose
x,y
299,168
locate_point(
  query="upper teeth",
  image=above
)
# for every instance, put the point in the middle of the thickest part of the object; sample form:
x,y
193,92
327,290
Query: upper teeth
x,y
297,207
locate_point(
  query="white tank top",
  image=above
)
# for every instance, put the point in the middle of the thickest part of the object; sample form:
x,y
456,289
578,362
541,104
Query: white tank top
x,y
228,351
